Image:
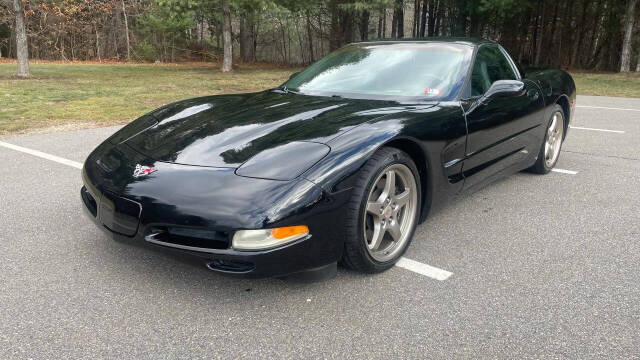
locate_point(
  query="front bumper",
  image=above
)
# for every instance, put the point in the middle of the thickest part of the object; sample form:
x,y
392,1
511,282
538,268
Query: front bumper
x,y
286,260
134,212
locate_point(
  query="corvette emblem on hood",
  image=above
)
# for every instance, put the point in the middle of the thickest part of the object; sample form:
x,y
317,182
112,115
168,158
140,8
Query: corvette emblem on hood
x,y
141,170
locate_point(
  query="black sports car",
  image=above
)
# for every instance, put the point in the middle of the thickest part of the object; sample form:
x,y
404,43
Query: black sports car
x,y
339,164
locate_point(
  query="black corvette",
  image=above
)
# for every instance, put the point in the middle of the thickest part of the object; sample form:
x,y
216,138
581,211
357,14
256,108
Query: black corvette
x,y
339,164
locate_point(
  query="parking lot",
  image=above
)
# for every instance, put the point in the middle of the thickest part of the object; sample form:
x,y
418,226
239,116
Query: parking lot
x,y
528,267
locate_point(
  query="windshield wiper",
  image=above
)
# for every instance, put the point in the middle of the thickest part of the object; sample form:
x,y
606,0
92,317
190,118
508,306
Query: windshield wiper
x,y
289,91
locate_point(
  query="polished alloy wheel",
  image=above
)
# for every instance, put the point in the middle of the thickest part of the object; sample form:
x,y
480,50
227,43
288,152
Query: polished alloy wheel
x,y
554,140
391,210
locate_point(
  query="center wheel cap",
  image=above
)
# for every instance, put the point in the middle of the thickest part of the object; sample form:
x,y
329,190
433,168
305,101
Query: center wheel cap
x,y
387,212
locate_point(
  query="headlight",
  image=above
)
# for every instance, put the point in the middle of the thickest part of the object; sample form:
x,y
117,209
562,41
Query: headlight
x,y
268,238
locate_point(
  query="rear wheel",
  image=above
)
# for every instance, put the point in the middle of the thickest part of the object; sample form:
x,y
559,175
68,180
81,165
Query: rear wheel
x,y
383,212
550,149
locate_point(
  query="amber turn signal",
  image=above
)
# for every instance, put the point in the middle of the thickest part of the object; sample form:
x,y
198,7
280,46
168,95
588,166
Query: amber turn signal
x,y
289,231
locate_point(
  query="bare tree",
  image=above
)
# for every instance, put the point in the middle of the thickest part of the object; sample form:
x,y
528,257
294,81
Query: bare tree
x,y
310,37
22,48
227,61
625,63
126,30
540,33
247,36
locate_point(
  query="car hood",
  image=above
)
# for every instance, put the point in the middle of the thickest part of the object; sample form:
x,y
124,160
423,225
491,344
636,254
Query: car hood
x,y
227,130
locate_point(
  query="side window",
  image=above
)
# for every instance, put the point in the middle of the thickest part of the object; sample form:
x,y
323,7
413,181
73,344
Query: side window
x,y
491,65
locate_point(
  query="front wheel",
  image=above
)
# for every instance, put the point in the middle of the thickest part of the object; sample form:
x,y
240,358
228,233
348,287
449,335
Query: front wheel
x,y
383,212
550,149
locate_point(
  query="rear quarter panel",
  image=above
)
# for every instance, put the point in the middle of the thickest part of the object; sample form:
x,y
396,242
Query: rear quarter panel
x,y
554,84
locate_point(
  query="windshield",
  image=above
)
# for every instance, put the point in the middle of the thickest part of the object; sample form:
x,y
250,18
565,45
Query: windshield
x,y
433,71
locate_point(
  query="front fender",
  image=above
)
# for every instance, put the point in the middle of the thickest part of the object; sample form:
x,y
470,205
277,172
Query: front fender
x,y
433,137
348,154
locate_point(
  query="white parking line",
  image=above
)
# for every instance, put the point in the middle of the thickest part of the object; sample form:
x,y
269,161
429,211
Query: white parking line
x,y
563,171
423,269
607,108
594,129
411,265
40,154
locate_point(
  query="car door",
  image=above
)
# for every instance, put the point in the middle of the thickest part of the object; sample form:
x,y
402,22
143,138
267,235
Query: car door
x,y
501,130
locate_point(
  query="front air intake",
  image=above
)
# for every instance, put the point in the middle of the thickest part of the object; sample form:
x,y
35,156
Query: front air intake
x,y
188,238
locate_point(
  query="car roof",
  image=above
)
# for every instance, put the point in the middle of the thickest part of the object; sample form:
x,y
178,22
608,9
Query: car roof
x,y
456,40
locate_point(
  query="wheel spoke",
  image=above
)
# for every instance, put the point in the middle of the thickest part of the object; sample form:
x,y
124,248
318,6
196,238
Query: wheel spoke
x,y
547,146
389,186
403,198
394,230
374,208
378,234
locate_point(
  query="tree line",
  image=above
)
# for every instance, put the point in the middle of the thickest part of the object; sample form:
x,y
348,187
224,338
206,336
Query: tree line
x,y
578,34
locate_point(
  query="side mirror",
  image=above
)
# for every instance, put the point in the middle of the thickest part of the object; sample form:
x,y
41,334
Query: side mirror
x,y
505,88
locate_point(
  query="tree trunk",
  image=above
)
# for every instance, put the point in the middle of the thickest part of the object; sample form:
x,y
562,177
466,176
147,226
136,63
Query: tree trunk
x,y
416,18
321,33
394,24
578,44
593,43
625,61
312,57
432,17
22,48
398,14
423,18
475,21
255,31
126,30
227,61
97,43
552,35
300,42
246,38
563,34
341,25
384,24
380,23
284,42
540,33
202,34
364,25
437,31
460,26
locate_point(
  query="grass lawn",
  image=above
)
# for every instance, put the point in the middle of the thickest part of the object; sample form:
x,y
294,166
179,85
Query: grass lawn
x,y
608,84
86,95
71,96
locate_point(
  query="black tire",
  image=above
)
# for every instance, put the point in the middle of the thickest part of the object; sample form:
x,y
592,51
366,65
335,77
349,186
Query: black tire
x,y
355,255
540,166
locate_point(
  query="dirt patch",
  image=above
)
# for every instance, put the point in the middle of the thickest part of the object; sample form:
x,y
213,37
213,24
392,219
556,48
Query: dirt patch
x,y
61,128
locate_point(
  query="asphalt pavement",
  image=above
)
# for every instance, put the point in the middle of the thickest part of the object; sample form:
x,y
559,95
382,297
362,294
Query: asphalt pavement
x,y
542,267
